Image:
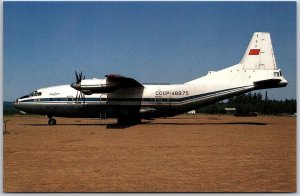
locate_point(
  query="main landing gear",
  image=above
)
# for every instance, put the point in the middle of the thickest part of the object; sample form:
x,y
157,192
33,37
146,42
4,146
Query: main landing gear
x,y
51,121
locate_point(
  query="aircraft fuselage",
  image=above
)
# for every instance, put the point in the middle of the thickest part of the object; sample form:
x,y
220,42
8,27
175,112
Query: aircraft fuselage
x,y
148,101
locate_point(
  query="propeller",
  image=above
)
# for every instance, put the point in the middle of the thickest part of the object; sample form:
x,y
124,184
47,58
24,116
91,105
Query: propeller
x,y
79,77
76,85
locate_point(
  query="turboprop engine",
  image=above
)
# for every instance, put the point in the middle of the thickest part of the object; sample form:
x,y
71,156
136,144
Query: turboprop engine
x,y
91,86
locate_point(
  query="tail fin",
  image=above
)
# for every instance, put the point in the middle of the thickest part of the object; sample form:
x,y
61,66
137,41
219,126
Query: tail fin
x,y
259,58
259,54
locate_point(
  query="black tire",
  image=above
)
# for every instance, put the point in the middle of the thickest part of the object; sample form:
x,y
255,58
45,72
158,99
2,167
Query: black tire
x,y
51,121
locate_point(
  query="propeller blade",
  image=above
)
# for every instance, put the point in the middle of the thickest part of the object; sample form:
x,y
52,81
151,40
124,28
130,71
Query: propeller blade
x,y
80,76
77,77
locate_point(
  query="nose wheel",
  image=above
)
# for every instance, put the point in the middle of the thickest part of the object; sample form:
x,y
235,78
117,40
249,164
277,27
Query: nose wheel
x,y
51,121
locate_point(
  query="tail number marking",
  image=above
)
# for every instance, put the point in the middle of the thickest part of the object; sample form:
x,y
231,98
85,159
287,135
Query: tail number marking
x,y
172,93
180,93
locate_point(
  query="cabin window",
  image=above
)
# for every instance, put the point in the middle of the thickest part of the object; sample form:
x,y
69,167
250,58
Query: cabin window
x,y
276,74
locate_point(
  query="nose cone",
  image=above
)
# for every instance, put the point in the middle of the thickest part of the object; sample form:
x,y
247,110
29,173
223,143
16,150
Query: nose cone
x,y
15,104
19,106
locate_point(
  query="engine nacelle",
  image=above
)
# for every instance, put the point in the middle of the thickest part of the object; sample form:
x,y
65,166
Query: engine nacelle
x,y
91,86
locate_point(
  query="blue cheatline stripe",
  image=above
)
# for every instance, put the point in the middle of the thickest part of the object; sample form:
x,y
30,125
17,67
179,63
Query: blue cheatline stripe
x,y
205,94
61,99
209,95
172,100
205,97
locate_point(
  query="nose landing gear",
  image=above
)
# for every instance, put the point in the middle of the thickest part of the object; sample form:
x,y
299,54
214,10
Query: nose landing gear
x,y
51,121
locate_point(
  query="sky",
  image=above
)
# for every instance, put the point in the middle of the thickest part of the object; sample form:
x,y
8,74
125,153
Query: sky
x,y
163,42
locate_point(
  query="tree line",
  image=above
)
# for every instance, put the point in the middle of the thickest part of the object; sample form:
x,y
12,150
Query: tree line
x,y
252,103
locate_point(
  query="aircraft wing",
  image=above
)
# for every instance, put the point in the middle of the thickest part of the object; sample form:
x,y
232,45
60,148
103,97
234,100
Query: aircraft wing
x,y
122,81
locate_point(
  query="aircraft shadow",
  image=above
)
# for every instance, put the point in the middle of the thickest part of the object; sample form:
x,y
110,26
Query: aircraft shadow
x,y
189,118
108,126
225,123
46,125
118,126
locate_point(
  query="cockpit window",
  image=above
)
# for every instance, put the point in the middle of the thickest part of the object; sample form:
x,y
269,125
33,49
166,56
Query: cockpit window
x,y
25,96
35,93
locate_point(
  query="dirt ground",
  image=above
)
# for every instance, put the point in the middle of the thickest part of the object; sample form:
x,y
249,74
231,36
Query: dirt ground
x,y
187,153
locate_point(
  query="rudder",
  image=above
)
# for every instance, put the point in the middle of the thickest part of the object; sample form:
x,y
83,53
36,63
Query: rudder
x,y
259,54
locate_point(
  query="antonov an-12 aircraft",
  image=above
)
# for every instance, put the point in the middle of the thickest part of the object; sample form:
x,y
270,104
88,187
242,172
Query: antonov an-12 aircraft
x,y
130,101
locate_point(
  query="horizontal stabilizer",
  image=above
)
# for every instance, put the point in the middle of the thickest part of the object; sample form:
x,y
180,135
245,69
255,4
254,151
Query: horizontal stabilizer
x,y
270,83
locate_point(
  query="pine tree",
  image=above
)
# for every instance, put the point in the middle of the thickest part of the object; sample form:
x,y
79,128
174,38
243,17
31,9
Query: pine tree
x,y
266,96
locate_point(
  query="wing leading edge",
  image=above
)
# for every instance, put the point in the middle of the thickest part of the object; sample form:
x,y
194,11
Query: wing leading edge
x,y
122,81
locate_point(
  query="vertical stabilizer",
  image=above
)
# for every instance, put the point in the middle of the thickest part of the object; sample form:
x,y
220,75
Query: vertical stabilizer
x,y
259,54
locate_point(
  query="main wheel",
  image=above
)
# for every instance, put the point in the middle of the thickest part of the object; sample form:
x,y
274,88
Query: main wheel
x,y
51,121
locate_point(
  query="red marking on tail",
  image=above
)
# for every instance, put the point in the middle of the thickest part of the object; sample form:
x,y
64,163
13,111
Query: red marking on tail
x,y
254,52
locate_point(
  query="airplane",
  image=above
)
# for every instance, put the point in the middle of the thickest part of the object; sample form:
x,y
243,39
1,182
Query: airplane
x,y
130,101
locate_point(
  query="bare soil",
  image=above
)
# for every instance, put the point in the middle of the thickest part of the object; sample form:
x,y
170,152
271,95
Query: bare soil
x,y
187,153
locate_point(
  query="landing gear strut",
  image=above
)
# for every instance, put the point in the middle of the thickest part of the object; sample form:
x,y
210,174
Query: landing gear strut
x,y
51,121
